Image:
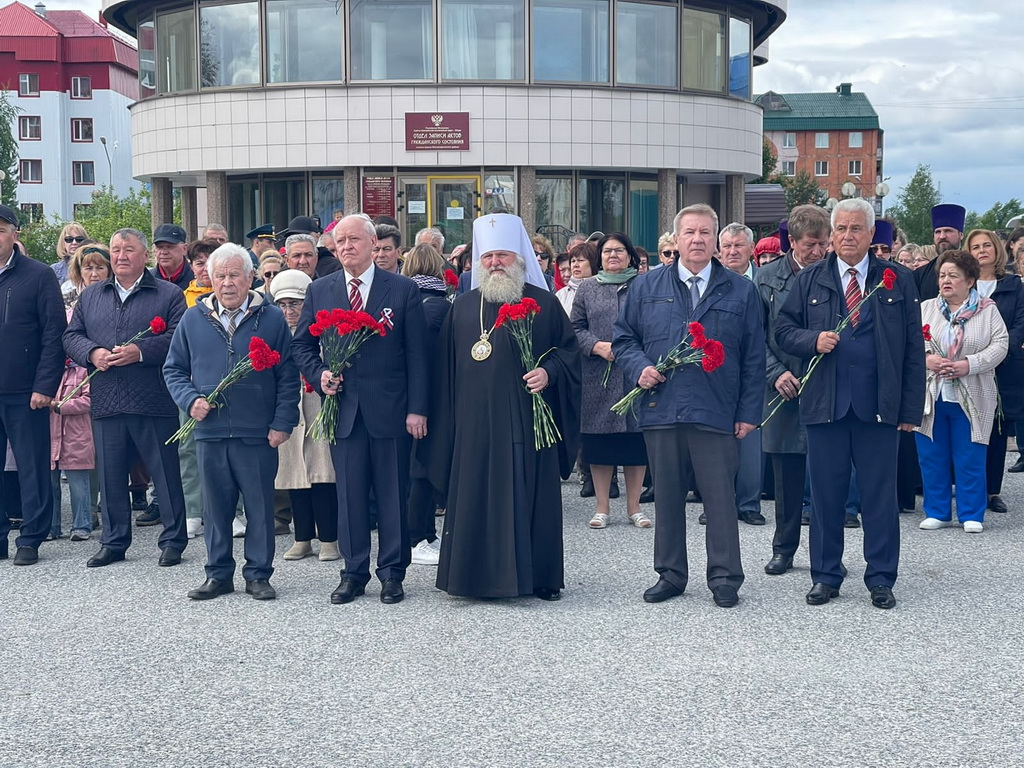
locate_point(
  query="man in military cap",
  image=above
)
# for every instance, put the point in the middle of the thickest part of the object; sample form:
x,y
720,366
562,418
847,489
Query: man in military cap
x,y
262,240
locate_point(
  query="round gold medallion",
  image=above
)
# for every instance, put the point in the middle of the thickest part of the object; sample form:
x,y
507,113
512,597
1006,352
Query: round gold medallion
x,y
481,350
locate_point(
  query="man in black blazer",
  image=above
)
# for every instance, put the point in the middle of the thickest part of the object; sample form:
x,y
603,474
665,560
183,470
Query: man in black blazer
x,y
382,399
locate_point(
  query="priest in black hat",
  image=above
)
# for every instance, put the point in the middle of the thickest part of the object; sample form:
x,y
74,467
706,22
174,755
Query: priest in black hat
x,y
947,232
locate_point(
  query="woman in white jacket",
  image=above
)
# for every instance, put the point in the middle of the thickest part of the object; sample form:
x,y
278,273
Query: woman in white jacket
x,y
965,339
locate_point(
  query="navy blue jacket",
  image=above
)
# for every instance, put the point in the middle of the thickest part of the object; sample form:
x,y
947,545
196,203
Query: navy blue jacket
x,y
389,376
816,303
653,320
186,276
201,355
101,320
1009,299
32,319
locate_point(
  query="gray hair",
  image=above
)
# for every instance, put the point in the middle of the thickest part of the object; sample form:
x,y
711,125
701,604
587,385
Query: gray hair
x,y
434,233
214,227
129,232
229,252
320,243
300,237
855,204
365,220
734,229
698,209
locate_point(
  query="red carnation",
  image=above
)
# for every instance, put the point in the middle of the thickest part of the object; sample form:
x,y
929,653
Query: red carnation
x,y
529,306
927,332
157,325
261,355
306,386
888,279
503,312
451,279
697,332
714,355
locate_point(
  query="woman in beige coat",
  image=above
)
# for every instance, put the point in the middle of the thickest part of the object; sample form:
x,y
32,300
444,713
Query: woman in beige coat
x,y
965,339
304,465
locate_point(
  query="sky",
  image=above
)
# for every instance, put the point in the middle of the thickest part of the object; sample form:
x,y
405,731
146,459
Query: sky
x,y
943,75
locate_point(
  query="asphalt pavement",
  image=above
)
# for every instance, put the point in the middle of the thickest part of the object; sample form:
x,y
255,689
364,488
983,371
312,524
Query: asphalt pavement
x,y
115,666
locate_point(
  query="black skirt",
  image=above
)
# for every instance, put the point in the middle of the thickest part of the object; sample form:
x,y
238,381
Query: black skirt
x,y
622,449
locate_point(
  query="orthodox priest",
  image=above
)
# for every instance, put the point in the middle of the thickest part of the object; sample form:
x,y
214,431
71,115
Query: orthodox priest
x,y
503,526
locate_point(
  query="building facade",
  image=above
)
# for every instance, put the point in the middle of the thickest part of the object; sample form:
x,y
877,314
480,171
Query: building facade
x,y
834,137
575,114
72,83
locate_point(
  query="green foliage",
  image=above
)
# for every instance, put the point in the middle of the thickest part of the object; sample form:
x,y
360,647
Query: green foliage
x,y
802,189
995,217
913,208
769,163
8,151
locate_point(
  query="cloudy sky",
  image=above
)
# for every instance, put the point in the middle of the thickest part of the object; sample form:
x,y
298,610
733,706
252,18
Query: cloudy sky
x,y
943,75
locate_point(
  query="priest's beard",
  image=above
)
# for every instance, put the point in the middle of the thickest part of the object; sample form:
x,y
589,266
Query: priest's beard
x,y
502,287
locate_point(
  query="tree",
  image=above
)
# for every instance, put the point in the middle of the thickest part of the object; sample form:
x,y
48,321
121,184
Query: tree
x,y
802,189
769,165
995,217
913,208
8,151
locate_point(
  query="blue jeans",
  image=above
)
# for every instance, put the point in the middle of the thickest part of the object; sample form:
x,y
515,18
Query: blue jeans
x,y
78,488
951,448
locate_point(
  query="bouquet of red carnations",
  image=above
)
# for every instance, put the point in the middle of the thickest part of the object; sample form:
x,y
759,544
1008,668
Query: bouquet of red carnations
x,y
519,319
694,348
156,326
260,358
341,333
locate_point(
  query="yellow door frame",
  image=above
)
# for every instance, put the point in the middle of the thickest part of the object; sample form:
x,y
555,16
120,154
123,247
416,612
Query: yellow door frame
x,y
478,178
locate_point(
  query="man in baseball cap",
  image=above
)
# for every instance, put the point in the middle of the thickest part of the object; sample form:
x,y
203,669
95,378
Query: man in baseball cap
x,y
170,247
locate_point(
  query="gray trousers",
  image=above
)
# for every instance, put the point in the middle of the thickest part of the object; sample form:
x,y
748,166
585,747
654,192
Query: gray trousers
x,y
712,458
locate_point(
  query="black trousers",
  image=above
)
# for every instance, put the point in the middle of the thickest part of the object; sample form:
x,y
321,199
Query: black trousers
x,y
422,503
115,437
29,433
790,470
995,457
713,458
315,512
361,464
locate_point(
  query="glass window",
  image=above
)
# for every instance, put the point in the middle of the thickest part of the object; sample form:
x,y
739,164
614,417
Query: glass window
x,y
81,129
645,44
602,205
30,172
33,211
84,172
483,39
328,197
554,202
739,58
304,41
28,85
245,208
821,140
703,50
570,41
821,167
392,40
789,140
856,139
81,87
79,210
176,51
147,59
229,44
499,193
643,213
30,128
284,199
789,167
855,167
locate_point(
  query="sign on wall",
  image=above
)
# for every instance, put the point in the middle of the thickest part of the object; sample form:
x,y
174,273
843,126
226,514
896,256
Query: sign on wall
x,y
436,130
379,196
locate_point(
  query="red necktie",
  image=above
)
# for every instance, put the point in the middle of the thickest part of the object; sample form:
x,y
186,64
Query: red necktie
x,y
853,297
355,299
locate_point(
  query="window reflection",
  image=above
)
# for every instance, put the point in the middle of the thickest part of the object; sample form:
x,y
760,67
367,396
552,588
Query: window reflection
x,y
645,44
703,50
554,202
483,40
602,204
499,193
739,58
229,45
304,41
570,41
147,59
643,213
392,40
176,51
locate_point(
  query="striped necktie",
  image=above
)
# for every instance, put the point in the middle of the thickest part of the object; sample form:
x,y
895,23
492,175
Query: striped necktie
x,y
355,299
853,297
233,321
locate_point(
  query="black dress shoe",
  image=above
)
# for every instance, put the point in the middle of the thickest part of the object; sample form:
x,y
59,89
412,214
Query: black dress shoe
x,y
1018,466
852,521
703,519
139,503
821,594
391,592
348,590
661,592
587,491
751,517
996,504
281,528
260,589
150,517
169,556
647,495
882,597
725,596
778,565
805,516
210,589
842,569
4,546
26,556
105,556
548,594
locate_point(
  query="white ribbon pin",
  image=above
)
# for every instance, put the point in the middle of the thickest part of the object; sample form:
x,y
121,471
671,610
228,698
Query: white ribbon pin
x,y
385,318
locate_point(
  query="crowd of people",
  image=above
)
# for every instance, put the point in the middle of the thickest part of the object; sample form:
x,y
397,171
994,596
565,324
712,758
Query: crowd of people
x,y
857,370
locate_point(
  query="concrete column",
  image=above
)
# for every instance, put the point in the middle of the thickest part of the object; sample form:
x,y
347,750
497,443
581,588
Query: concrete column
x,y
528,198
353,199
734,202
216,197
162,201
190,212
668,202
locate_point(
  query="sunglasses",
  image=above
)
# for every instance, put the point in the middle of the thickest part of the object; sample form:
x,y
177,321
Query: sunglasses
x,y
74,239
668,253
268,275
882,248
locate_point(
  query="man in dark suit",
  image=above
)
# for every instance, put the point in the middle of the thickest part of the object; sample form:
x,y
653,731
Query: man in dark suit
x,y
381,405
948,220
32,319
693,421
868,385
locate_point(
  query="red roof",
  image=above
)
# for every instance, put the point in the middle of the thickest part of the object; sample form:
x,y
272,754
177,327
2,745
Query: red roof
x,y
17,20
75,24
31,37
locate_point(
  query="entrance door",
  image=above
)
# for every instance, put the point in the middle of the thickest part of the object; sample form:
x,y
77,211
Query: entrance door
x,y
412,202
452,204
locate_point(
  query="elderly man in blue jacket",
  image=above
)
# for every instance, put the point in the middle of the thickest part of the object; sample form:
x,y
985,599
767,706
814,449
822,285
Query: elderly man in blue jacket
x,y
693,421
237,439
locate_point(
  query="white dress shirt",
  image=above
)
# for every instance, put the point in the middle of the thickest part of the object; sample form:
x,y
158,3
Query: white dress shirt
x,y
366,281
704,275
862,273
223,314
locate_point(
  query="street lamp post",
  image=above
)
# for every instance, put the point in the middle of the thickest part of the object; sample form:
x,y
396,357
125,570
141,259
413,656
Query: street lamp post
x,y
110,166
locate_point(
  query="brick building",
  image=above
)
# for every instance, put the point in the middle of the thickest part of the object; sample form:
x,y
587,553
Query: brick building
x,y
834,137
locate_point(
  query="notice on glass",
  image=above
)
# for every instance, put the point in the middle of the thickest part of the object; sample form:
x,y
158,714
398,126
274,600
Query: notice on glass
x,y
455,213
417,206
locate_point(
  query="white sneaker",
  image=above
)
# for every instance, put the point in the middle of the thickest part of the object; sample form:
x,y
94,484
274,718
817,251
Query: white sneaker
x,y
426,553
194,527
973,526
238,527
933,524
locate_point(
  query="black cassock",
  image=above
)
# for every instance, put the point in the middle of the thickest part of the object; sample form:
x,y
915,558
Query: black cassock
x,y
503,525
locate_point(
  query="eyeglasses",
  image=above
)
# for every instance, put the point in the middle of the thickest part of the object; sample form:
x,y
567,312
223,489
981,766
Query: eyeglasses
x,y
878,248
270,275
609,251
70,239
541,255
668,253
